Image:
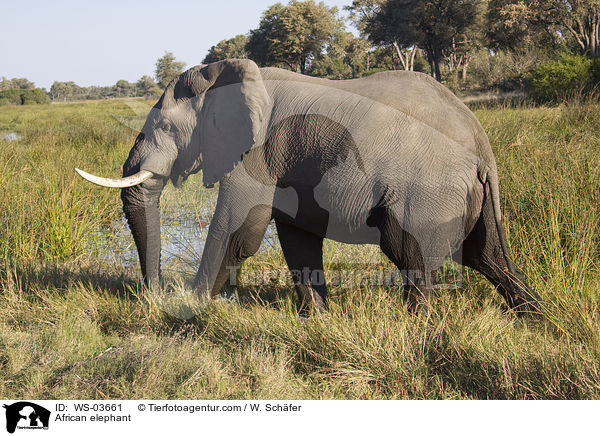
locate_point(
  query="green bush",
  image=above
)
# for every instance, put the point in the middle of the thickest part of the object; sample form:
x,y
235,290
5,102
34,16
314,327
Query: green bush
x,y
23,96
568,76
34,96
10,96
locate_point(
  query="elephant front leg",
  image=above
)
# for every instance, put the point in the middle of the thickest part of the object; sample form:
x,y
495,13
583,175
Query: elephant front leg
x,y
235,233
303,252
242,244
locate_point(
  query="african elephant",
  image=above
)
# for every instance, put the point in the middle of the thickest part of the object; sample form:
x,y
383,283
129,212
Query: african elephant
x,y
393,159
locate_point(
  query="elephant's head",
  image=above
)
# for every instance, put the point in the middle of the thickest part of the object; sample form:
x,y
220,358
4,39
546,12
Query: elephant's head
x,y
208,118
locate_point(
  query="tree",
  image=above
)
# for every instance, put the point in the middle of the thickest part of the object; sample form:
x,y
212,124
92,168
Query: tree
x,y
362,14
356,54
293,35
65,91
227,49
22,83
346,57
434,26
124,89
167,68
146,87
16,83
514,25
383,58
466,45
59,91
513,22
582,19
23,96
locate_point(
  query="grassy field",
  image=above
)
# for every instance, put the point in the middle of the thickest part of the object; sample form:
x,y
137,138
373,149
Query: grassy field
x,y
74,324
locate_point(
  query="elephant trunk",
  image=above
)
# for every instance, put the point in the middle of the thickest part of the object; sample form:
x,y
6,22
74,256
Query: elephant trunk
x,y
144,223
141,204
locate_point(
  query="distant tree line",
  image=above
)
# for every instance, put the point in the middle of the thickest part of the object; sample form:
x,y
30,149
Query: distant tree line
x,y
63,91
23,91
166,69
11,90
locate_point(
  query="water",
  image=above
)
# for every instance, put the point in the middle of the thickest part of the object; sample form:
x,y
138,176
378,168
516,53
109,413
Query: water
x,y
12,136
182,238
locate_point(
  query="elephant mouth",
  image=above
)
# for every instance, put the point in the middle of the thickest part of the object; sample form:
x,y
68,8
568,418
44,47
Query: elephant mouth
x,y
123,182
180,173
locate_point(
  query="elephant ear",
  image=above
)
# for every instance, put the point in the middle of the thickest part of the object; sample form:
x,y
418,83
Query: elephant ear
x,y
235,108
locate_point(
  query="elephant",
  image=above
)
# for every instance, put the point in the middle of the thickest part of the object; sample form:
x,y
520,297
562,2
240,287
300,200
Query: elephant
x,y
393,159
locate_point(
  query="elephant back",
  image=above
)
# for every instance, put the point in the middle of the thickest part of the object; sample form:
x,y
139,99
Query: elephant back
x,y
418,96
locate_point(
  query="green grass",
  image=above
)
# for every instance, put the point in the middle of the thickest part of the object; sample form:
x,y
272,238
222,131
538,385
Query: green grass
x,y
45,211
75,326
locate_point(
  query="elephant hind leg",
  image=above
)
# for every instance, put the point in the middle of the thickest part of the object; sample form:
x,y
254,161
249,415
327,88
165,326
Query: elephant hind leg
x,y
482,250
303,252
243,243
404,251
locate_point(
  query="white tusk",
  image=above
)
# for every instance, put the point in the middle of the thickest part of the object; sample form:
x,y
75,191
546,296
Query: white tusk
x,y
124,182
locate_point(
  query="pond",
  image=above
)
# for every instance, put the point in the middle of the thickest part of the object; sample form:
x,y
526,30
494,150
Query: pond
x,y
182,243
11,136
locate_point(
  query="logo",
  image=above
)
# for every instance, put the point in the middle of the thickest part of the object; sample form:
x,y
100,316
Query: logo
x,y
26,415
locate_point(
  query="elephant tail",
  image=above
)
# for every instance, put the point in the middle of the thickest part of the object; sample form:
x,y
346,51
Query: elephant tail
x,y
489,176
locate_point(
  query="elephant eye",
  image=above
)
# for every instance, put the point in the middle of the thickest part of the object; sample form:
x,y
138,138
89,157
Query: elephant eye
x,y
165,126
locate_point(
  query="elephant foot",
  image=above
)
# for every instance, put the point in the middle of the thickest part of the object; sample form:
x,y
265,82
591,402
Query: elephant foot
x,y
416,298
310,301
521,298
527,304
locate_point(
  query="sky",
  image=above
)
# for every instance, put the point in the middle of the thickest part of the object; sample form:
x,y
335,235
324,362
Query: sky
x,y
102,41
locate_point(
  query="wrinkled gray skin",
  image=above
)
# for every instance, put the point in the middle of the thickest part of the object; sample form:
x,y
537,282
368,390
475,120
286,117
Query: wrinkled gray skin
x,y
393,159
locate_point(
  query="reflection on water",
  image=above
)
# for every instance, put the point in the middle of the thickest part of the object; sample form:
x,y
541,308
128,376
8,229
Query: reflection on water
x,y
182,237
12,136
185,212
